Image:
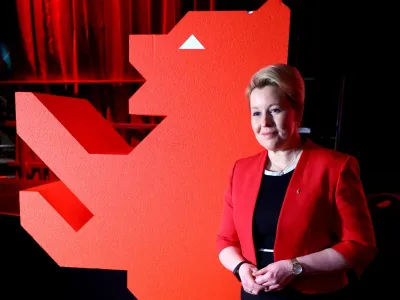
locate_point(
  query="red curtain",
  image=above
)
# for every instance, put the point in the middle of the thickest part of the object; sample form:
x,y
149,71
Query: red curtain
x,y
87,41
78,40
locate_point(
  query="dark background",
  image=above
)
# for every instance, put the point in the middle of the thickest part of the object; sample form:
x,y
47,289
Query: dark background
x,y
344,49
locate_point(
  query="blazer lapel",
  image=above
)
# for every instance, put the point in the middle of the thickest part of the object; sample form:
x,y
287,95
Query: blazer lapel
x,y
251,184
295,214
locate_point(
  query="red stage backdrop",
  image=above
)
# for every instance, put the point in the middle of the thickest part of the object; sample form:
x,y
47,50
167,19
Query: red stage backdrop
x,y
154,210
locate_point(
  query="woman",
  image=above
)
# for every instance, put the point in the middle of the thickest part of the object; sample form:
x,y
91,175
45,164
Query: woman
x,y
295,217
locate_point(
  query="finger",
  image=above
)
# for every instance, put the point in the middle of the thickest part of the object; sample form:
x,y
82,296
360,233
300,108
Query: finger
x,y
251,285
257,287
274,287
252,291
253,269
260,272
261,280
269,281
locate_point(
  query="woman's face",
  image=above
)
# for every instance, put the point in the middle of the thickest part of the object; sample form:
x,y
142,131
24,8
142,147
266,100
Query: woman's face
x,y
273,118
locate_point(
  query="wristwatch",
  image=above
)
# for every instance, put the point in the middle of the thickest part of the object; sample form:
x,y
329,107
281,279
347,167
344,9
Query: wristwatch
x,y
297,269
236,269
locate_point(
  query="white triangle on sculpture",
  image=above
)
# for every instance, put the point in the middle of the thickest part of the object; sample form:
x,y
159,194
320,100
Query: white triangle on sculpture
x,y
192,43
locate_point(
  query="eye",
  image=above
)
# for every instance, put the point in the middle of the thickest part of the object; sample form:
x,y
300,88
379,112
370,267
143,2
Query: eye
x,y
255,113
192,43
275,110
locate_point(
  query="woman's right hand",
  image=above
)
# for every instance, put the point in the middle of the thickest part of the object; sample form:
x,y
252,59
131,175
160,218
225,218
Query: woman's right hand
x,y
248,280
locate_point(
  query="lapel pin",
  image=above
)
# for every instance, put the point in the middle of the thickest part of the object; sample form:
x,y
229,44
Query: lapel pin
x,y
298,191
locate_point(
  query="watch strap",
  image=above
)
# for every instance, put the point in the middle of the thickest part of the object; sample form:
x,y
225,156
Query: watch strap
x,y
236,269
295,261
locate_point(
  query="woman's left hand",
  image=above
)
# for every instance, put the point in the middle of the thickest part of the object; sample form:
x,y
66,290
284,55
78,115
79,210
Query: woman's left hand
x,y
275,276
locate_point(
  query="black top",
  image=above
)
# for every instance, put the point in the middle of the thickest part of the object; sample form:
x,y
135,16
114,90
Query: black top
x,y
268,206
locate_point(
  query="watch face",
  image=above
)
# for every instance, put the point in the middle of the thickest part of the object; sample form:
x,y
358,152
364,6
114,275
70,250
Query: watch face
x,y
297,269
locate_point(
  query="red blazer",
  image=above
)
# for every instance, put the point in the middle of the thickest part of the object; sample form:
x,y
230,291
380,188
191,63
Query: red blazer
x,y
324,207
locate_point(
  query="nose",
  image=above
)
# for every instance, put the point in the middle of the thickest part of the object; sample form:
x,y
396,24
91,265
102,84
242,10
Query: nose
x,y
267,121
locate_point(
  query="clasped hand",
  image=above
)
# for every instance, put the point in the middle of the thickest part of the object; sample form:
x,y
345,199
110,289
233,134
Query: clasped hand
x,y
273,277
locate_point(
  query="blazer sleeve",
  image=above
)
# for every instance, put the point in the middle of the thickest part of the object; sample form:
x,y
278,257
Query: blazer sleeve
x,y
353,224
227,235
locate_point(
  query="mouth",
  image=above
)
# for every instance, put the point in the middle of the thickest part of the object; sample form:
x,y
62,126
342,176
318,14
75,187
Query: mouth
x,y
268,133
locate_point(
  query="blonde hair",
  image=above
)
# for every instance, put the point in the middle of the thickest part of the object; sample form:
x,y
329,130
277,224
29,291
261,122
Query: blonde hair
x,y
286,77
